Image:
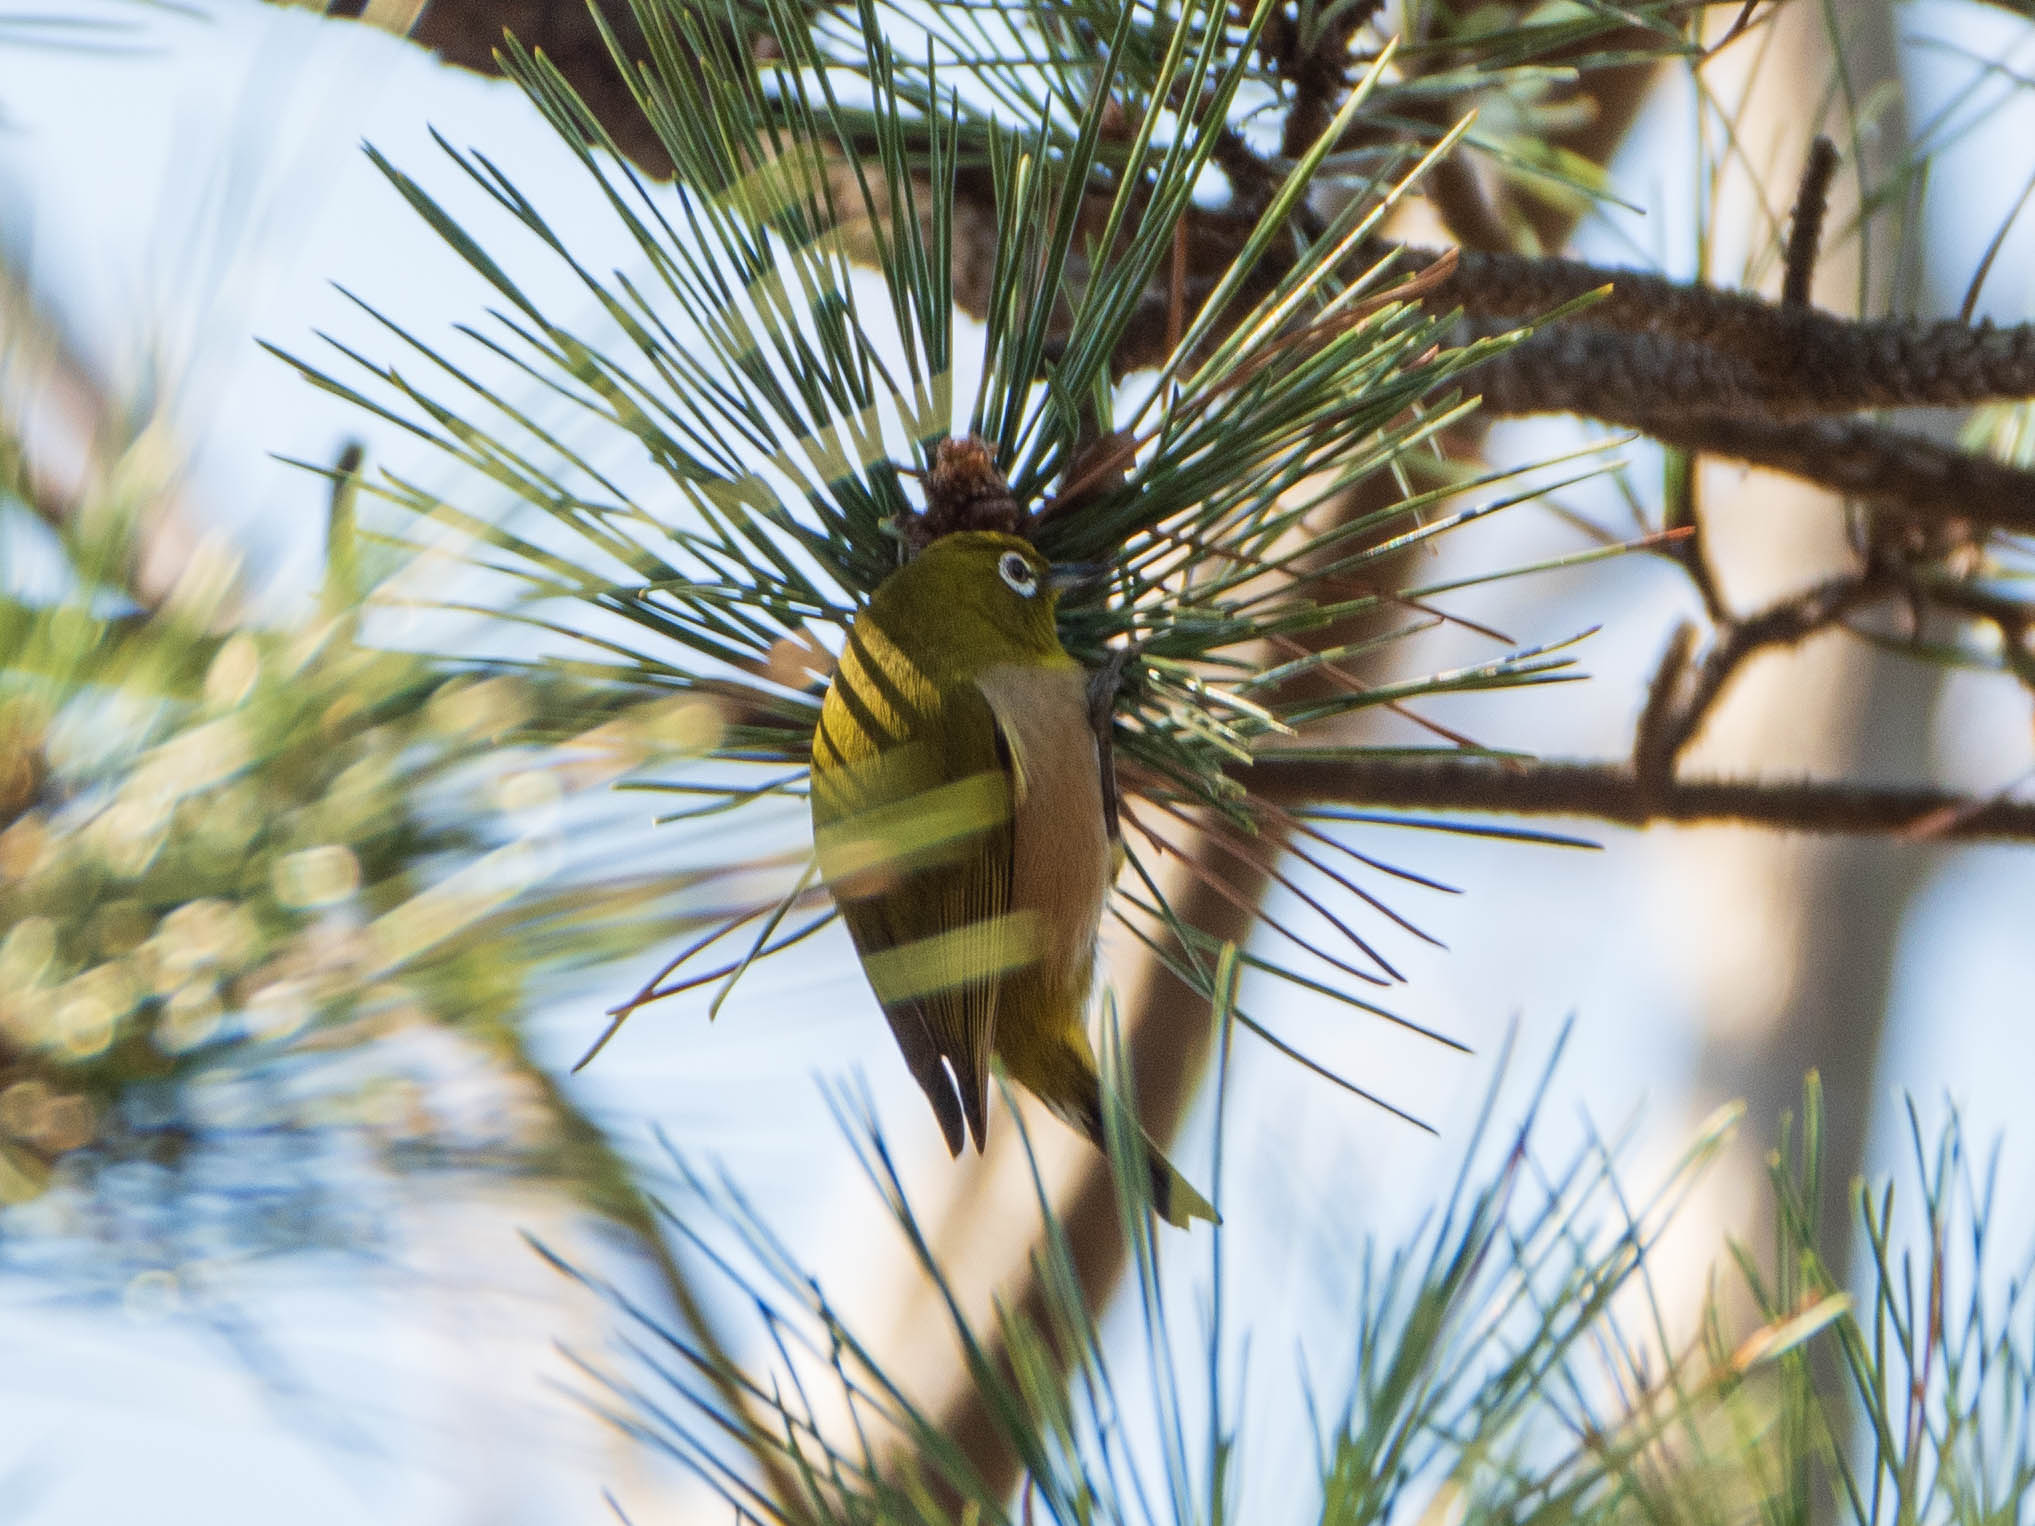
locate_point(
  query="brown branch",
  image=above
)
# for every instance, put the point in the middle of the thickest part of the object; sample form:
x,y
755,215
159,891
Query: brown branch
x,y
1663,388
1468,211
1684,693
467,33
1314,68
1701,400
1611,792
1879,466
1812,200
1653,748
1683,348
1739,352
1793,363
1753,352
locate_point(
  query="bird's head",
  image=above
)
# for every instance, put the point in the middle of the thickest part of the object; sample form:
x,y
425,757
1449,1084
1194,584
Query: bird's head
x,y
971,600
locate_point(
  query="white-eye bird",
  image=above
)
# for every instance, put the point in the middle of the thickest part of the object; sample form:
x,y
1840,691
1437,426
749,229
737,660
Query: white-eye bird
x,y
959,816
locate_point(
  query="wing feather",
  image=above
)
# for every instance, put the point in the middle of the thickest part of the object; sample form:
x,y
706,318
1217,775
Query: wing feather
x,y
912,817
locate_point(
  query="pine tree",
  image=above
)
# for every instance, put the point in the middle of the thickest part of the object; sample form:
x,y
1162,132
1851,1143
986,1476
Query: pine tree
x,y
1152,266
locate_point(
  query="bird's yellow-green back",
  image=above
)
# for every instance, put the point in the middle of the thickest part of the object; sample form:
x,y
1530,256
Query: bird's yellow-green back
x,y
912,803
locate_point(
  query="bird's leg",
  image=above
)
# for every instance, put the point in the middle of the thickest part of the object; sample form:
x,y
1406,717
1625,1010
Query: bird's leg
x,y
1104,684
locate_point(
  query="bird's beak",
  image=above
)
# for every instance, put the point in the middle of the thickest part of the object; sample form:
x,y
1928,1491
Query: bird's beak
x,y
1077,577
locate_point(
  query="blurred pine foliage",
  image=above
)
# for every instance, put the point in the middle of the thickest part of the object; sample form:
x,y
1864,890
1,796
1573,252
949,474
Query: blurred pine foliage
x,y
1512,1363
260,887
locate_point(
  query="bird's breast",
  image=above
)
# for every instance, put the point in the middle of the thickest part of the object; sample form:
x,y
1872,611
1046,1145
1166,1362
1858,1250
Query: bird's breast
x,y
1060,860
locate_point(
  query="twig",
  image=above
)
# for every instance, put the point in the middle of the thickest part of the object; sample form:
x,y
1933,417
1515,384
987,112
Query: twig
x,y
1683,694
1314,67
1681,510
1465,209
1653,754
1736,30
1612,792
1806,236
1993,247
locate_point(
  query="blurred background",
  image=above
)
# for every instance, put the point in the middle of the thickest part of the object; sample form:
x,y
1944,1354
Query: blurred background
x,y
177,182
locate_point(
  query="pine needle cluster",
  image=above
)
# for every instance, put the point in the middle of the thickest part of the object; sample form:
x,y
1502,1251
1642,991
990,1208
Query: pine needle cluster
x,y
777,377
1513,1362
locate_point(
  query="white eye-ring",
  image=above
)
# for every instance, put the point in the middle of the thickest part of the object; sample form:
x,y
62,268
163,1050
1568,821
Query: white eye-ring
x,y
1018,573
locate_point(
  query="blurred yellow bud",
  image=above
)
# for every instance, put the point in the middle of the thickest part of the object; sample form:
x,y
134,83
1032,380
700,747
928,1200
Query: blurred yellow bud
x,y
88,1009
233,673
129,833
192,760
21,1107
204,933
85,1026
26,952
22,1175
206,582
321,876
118,927
482,710
22,847
684,725
528,789
67,1123
190,1017
279,1009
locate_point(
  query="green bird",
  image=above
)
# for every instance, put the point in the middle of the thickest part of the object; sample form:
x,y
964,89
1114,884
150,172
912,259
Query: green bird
x,y
959,816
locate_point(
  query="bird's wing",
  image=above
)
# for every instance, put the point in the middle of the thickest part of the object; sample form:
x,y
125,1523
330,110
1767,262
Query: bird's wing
x,y
913,828
1061,854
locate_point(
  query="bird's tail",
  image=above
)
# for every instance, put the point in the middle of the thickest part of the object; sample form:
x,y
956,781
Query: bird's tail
x,y
1174,1198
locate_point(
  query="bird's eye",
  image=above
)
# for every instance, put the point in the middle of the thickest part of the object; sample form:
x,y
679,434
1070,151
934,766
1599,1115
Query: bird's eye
x,y
1017,572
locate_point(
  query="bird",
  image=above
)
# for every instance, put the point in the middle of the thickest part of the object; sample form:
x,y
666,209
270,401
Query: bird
x,y
963,820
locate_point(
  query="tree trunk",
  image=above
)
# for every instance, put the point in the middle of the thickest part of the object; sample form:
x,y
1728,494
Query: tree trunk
x,y
1791,940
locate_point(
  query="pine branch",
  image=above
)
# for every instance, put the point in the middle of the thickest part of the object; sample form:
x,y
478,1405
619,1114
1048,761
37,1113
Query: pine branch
x,y
1884,467
1828,362
1606,791
1794,363
1662,356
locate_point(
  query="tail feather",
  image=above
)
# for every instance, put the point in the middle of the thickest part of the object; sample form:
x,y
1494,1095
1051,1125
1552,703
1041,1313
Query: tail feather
x,y
1059,1069
1173,1196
